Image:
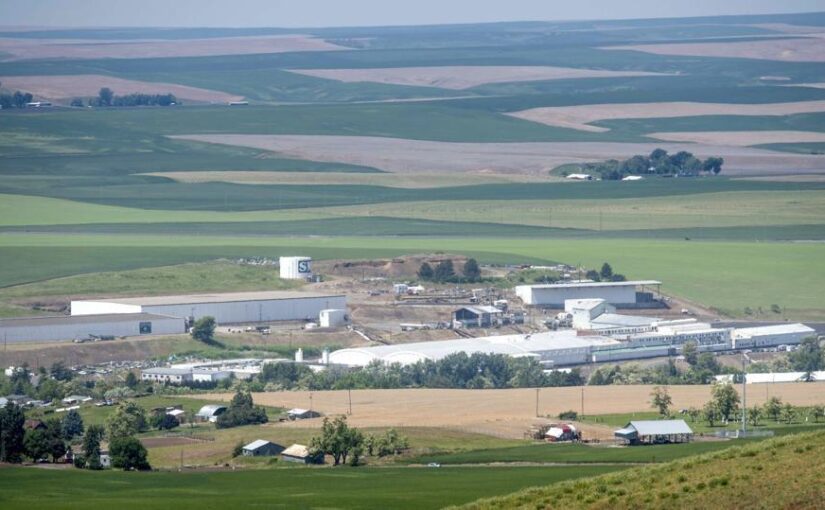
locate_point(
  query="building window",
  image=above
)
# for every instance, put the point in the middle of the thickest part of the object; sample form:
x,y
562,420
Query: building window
x,y
145,328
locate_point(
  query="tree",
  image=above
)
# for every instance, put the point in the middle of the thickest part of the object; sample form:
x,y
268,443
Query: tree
x,y
56,444
167,422
606,272
773,407
59,372
11,433
693,413
77,102
45,441
808,357
592,274
713,164
337,439
661,400
444,271
91,446
710,413
725,399
471,270
128,453
204,330
105,96
817,412
754,415
241,411
35,444
425,272
788,413
127,420
657,156
691,353
131,380
72,425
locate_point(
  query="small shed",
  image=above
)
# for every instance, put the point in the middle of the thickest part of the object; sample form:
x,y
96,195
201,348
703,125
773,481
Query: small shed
x,y
211,412
262,448
333,318
302,414
301,454
478,316
76,399
655,432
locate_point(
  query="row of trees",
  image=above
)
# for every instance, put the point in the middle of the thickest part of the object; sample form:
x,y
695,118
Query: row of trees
x,y
51,439
242,411
348,445
444,272
106,97
606,274
658,162
459,370
17,100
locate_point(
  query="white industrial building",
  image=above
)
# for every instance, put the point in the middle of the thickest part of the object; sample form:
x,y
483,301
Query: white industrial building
x,y
333,318
295,268
615,293
228,308
769,336
64,327
166,375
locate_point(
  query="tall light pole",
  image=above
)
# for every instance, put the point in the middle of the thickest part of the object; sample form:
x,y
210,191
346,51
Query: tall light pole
x,y
744,395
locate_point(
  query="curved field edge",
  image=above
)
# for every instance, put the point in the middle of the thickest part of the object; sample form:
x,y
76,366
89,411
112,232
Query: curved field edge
x,y
783,472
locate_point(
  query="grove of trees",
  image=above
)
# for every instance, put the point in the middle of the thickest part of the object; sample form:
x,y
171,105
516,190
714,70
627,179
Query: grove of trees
x,y
445,272
241,411
659,162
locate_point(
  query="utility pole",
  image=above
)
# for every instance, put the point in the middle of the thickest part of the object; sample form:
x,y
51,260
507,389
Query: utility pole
x,y
744,396
349,394
537,402
582,416
310,401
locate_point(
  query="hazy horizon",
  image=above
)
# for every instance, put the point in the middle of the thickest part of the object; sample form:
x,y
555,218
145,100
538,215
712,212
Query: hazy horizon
x,y
362,13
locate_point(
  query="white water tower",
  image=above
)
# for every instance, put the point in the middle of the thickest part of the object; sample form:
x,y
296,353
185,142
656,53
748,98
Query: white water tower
x,y
296,268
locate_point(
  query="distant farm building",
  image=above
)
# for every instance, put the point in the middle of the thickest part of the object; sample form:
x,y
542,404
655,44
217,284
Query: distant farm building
x,y
580,177
262,448
620,294
655,432
211,412
63,327
301,454
302,414
562,432
477,316
228,308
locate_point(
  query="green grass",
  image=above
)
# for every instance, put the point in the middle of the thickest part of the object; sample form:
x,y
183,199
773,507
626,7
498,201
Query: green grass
x,y
364,488
777,473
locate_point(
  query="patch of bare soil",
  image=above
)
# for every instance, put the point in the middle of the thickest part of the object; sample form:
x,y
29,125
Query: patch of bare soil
x,y
580,117
807,49
22,49
463,77
420,156
740,138
87,85
504,413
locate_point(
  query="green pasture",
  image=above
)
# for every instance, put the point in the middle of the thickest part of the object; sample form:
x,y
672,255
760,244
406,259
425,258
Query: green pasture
x,y
727,275
364,488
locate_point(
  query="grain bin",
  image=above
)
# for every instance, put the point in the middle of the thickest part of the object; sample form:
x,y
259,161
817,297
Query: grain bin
x,y
296,268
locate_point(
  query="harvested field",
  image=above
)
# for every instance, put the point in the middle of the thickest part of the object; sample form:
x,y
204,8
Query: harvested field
x,y
503,413
580,117
740,138
409,181
87,85
426,157
22,49
463,77
808,49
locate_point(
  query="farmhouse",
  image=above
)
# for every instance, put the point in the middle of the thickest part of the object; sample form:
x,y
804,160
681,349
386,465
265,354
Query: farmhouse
x,y
301,454
477,316
228,308
57,328
262,448
620,294
655,431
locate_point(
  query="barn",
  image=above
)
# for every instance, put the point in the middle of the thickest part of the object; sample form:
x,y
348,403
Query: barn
x,y
477,316
655,432
226,308
262,448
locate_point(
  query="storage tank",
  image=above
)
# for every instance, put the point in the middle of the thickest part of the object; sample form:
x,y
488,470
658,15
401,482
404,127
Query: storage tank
x,y
296,268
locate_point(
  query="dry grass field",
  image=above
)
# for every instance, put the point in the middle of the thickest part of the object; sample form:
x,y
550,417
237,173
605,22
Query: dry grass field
x,y
463,77
809,49
580,117
504,413
424,157
86,85
740,138
24,49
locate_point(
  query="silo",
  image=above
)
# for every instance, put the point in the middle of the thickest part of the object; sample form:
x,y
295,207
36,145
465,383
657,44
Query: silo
x,y
296,268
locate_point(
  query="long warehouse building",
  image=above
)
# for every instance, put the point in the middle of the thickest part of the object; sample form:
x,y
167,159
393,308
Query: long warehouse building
x,y
228,308
64,327
623,294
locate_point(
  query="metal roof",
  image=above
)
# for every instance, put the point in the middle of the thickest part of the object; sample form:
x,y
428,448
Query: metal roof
x,y
659,427
633,283
166,371
778,329
608,320
210,409
296,450
59,320
191,299
254,445
478,310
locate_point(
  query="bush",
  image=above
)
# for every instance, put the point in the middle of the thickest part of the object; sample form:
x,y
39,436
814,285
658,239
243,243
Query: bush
x,y
569,415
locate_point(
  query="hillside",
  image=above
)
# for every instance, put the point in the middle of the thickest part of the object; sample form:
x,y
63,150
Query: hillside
x,y
783,472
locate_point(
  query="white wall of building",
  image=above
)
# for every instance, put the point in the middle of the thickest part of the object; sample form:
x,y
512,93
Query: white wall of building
x,y
67,330
333,318
102,307
556,296
235,312
295,268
